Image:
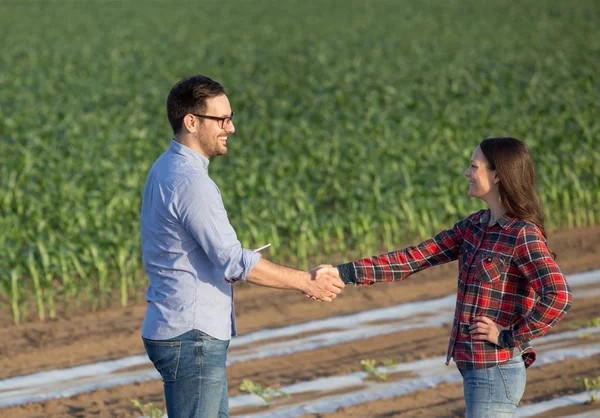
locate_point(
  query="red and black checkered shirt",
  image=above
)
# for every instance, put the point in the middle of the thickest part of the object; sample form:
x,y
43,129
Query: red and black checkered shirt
x,y
506,273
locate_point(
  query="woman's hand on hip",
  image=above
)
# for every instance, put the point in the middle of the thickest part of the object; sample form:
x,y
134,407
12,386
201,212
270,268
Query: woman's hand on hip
x,y
485,329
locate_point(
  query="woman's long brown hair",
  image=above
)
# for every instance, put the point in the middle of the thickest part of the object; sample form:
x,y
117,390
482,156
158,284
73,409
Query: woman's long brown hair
x,y
511,159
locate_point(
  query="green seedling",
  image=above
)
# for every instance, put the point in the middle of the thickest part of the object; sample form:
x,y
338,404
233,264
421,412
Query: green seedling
x,y
81,201
265,392
390,363
369,366
592,323
592,386
149,410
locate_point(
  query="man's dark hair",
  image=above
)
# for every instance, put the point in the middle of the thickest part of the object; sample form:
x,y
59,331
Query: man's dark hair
x,y
189,96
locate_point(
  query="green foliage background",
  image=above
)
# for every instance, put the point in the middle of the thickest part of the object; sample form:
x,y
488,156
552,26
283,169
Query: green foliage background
x,y
355,121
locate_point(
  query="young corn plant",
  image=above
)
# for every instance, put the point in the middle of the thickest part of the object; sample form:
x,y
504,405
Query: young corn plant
x,y
85,286
123,265
591,323
102,274
35,276
48,278
592,386
14,287
265,392
66,277
149,410
389,363
353,196
369,366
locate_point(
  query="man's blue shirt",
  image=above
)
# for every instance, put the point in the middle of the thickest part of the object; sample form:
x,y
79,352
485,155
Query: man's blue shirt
x,y
190,251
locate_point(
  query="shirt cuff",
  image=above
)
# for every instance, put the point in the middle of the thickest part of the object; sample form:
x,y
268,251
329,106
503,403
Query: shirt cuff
x,y
347,273
248,260
506,339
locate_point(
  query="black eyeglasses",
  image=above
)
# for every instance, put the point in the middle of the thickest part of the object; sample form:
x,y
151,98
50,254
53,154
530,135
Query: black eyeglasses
x,y
224,121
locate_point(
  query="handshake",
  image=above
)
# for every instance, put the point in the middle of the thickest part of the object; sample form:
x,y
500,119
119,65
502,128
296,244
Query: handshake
x,y
324,284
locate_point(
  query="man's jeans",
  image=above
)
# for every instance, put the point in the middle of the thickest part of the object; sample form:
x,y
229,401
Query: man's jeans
x,y
192,367
494,392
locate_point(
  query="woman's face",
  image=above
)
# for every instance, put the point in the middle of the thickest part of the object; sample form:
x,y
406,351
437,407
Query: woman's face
x,y
483,182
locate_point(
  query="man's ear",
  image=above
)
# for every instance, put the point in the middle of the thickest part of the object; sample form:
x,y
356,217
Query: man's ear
x,y
190,123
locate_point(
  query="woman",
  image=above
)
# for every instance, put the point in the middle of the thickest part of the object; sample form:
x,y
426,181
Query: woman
x,y
504,266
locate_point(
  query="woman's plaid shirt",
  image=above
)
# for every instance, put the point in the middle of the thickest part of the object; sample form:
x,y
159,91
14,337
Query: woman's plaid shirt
x,y
506,273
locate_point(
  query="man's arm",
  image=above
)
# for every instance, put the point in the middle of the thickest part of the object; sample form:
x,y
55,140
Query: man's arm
x,y
198,206
201,211
320,283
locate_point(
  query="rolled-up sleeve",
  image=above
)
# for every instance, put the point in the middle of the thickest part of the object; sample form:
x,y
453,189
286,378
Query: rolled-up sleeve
x,y
199,207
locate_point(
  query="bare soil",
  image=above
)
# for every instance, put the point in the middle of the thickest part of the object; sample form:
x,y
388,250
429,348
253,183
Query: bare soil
x,y
115,333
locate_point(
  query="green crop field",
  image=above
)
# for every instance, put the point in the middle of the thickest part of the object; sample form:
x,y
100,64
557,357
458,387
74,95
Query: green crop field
x,y
355,121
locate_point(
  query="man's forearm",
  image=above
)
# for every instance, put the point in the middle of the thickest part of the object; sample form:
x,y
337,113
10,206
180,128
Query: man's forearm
x,y
269,274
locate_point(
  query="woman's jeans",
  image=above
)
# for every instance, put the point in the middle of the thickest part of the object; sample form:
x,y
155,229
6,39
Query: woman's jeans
x,y
494,392
192,367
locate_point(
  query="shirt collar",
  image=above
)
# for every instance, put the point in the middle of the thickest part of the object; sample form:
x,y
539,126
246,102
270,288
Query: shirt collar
x,y
195,158
504,221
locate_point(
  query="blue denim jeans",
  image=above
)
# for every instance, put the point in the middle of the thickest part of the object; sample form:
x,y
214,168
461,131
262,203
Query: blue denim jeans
x,y
192,367
494,392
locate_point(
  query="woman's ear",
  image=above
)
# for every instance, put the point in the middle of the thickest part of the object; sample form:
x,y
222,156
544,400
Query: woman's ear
x,y
496,178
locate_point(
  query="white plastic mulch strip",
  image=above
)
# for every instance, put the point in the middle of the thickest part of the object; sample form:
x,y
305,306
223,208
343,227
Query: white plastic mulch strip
x,y
431,366
423,368
354,328
402,311
431,372
589,414
542,407
68,382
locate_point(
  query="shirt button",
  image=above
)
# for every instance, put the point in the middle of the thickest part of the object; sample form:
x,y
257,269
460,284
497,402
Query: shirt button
x,y
489,259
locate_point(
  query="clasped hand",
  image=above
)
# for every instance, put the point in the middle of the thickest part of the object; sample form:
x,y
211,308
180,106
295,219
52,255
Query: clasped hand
x,y
324,284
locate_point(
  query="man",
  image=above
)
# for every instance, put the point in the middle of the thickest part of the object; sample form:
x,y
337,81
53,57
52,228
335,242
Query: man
x,y
192,257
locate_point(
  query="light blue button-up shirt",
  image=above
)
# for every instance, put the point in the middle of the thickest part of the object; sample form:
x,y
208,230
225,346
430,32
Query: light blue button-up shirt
x,y
190,251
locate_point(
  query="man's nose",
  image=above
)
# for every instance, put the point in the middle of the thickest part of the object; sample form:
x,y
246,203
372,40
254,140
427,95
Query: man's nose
x,y
230,128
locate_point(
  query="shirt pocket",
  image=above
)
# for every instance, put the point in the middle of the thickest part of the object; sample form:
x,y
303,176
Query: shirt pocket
x,y
492,268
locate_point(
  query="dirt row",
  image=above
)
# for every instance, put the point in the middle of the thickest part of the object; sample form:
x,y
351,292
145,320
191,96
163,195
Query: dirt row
x,y
88,338
444,401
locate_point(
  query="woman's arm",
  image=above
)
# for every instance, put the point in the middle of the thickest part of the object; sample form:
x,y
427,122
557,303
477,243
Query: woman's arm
x,y
398,265
534,261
